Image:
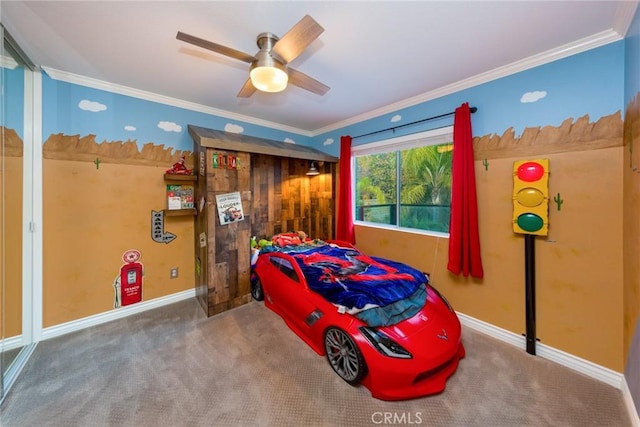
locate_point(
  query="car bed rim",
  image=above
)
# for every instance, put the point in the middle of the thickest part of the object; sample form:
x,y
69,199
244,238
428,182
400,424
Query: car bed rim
x,y
342,354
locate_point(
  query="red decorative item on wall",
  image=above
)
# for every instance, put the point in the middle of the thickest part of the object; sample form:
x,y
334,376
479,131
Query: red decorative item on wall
x,y
130,289
179,168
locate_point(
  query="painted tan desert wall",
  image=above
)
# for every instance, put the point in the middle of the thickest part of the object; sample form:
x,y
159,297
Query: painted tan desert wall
x,y
97,205
11,182
578,265
631,221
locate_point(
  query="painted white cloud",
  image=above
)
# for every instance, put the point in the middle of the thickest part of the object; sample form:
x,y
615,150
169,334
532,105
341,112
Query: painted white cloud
x,y
289,141
170,126
92,106
130,128
230,127
328,141
533,96
396,118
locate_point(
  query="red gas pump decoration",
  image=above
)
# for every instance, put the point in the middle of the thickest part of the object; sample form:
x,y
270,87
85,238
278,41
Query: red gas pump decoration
x,y
128,284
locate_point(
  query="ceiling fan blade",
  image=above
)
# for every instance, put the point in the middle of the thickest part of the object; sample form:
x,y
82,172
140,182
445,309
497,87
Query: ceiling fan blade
x,y
297,39
303,81
218,48
247,90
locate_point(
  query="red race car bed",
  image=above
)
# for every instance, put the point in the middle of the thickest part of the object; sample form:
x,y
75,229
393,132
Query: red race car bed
x,y
378,322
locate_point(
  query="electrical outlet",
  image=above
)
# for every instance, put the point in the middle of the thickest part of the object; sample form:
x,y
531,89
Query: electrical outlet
x,y
173,273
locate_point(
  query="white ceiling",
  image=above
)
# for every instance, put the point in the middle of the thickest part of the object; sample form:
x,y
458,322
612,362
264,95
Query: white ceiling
x,y
375,55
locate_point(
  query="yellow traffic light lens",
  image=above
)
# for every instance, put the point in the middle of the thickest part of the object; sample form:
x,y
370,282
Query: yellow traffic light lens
x,y
530,222
530,171
530,197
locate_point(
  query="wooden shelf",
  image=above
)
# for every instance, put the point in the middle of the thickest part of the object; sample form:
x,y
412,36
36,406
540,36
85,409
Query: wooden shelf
x,y
180,212
178,177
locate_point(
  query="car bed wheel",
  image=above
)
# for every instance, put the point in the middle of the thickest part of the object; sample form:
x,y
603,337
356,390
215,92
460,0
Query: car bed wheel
x,y
344,356
256,290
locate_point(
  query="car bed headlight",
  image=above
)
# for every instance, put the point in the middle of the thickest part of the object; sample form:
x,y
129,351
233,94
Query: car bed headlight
x,y
385,345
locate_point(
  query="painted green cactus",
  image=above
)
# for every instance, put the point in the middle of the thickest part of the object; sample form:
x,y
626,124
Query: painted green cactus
x,y
558,201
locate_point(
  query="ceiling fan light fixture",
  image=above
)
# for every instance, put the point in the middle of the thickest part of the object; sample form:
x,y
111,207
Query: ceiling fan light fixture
x,y
269,79
267,74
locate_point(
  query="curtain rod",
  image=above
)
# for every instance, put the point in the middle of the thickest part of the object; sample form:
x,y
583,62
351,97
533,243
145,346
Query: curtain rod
x,y
472,110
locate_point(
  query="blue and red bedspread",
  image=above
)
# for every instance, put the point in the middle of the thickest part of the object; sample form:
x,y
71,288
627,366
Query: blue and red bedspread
x,y
377,290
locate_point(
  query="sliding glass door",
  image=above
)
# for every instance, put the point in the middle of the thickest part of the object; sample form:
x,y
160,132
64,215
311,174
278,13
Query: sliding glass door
x,y
16,132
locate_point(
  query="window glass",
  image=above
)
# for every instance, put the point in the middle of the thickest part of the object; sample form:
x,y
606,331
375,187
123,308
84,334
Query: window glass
x,y
405,182
376,188
285,267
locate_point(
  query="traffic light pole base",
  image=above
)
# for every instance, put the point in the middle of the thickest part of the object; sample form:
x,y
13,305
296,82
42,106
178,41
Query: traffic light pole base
x,y
530,291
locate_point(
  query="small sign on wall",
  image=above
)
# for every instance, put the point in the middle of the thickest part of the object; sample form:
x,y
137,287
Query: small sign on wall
x,y
225,161
202,162
229,208
157,228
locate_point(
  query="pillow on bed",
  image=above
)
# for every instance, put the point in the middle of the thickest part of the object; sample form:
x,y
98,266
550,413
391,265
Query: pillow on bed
x,y
287,239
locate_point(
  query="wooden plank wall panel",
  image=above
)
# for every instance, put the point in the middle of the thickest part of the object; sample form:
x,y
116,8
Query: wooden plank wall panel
x,y
212,218
286,199
228,254
200,225
277,196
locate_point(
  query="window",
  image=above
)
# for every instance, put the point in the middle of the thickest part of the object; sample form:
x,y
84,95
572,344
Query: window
x,y
405,182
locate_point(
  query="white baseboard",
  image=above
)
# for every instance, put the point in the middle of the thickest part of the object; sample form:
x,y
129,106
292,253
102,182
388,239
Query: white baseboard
x,y
631,407
11,343
118,313
578,364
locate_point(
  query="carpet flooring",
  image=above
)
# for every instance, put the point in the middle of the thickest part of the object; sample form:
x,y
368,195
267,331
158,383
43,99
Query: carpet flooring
x,y
173,366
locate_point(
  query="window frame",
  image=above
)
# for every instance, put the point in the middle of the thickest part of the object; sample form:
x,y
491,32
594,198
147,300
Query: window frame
x,y
437,136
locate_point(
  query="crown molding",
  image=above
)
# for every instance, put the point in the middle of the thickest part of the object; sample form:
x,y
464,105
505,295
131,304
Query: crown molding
x,y
582,45
161,99
624,17
8,62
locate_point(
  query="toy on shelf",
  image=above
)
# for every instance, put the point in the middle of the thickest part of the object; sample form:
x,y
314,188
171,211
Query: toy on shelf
x,y
179,168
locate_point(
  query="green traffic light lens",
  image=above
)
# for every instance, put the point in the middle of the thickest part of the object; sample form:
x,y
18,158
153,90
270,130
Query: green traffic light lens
x,y
530,222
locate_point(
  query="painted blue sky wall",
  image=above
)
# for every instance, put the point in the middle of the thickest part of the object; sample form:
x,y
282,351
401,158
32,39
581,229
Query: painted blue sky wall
x,y
632,60
14,99
590,83
73,109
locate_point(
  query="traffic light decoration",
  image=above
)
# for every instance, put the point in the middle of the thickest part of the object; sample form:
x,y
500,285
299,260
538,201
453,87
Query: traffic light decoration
x,y
531,197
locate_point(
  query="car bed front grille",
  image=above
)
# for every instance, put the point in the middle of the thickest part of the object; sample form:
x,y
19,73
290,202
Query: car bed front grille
x,y
431,372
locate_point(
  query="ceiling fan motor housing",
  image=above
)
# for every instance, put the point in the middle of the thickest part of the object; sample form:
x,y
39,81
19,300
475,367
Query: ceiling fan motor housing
x,y
266,42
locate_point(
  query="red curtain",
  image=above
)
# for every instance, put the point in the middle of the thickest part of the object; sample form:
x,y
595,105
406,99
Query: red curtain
x,y
464,239
345,229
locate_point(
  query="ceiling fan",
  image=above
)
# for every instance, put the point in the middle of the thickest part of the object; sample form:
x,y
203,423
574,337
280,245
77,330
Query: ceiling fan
x,y
269,71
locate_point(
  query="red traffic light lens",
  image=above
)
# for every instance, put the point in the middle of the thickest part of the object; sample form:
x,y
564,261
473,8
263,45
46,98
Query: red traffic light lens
x,y
530,171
